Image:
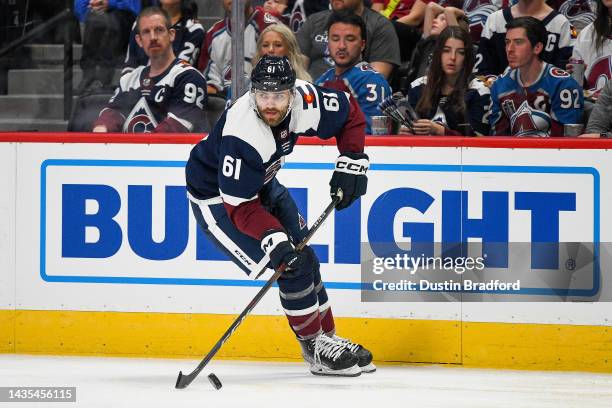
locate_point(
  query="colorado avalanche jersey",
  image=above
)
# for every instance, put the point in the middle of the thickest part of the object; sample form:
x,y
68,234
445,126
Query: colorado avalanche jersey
x,y
297,16
598,62
580,13
492,59
477,102
478,11
216,56
186,45
172,101
541,109
363,82
242,154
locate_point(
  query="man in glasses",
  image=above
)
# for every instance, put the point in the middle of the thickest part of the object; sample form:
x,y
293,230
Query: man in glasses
x,y
241,206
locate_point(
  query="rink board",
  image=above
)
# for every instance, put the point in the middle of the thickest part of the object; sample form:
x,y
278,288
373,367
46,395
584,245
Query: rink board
x,y
145,283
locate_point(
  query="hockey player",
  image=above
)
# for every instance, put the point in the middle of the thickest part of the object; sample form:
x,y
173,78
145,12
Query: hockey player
x,y
169,95
241,206
346,42
534,98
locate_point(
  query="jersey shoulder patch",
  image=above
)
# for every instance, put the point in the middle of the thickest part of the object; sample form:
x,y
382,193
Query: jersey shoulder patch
x,y
364,66
131,79
558,72
193,25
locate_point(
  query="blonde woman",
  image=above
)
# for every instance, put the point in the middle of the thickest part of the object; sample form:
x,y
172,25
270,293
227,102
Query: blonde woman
x,y
278,40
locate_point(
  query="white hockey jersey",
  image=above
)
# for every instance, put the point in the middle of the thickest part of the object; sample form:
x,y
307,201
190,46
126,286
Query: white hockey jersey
x,y
492,59
598,62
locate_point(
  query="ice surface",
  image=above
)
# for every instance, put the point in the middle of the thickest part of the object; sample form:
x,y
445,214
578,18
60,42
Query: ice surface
x,y
131,382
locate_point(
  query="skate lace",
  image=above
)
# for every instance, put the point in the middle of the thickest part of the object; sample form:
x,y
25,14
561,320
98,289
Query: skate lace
x,y
327,347
346,343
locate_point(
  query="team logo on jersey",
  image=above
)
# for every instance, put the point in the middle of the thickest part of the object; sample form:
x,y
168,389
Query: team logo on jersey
x,y
270,19
140,119
600,73
477,12
301,221
146,82
296,20
283,134
559,73
530,122
580,13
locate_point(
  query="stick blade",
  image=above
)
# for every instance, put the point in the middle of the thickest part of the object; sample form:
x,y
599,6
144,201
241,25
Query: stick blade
x,y
182,381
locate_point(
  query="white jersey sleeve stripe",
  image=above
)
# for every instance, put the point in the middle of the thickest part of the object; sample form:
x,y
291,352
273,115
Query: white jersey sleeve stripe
x,y
235,201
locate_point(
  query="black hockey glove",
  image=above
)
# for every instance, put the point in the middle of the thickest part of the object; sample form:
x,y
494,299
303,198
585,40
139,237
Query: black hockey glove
x,y
350,177
281,251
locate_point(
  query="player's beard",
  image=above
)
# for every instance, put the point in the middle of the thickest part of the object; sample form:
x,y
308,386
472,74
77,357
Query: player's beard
x,y
275,120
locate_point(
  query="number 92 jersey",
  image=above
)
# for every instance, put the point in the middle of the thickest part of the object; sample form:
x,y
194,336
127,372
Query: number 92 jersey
x,y
553,100
173,101
242,153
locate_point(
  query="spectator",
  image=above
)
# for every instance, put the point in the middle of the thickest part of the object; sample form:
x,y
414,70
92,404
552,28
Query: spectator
x,y
216,55
302,9
188,38
557,50
278,40
168,95
580,13
279,7
276,11
478,11
437,18
382,50
594,47
393,9
107,29
449,99
600,121
347,40
534,98
406,17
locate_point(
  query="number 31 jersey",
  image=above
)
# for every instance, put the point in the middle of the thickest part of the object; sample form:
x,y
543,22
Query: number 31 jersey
x,y
540,109
365,84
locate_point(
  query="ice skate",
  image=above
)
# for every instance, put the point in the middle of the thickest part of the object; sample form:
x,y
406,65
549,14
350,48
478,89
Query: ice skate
x,y
329,357
363,354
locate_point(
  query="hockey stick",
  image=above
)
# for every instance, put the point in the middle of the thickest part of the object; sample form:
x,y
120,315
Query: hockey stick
x,y
184,380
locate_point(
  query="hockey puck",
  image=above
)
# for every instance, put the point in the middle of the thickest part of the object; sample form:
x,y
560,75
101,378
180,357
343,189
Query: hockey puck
x,y
214,380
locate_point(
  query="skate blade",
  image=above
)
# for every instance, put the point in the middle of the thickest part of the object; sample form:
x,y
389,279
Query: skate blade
x,y
353,371
370,368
